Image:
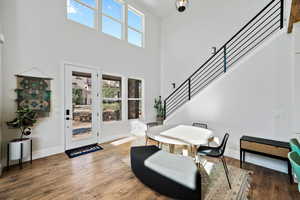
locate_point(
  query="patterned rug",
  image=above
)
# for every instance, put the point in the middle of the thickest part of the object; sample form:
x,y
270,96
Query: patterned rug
x,y
214,182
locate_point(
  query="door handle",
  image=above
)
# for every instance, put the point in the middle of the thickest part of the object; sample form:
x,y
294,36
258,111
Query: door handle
x,y
67,118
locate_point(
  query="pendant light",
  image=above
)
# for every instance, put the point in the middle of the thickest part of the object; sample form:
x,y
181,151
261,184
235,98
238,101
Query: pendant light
x,y
181,5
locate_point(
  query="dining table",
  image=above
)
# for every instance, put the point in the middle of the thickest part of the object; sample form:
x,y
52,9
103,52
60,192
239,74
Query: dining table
x,y
183,135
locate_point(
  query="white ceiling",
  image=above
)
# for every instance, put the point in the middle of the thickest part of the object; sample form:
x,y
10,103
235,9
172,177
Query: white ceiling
x,y
160,8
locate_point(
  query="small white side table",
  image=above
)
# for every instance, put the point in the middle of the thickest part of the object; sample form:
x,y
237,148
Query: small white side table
x,y
21,153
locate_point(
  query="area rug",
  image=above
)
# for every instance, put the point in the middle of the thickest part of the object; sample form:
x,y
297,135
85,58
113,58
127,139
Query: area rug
x,y
83,150
214,182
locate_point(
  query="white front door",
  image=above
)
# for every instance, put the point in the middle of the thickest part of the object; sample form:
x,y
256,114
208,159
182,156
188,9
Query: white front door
x,y
81,110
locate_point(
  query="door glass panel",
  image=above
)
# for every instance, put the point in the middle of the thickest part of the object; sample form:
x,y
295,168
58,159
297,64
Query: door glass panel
x,y
81,105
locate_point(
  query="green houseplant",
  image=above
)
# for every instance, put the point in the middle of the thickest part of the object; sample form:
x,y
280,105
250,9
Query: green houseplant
x,y
24,120
160,109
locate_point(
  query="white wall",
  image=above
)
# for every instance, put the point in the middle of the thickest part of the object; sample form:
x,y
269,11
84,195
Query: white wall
x,y
296,34
1,97
254,98
39,35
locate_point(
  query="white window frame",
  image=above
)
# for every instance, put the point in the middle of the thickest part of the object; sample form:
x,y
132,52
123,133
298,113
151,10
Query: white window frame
x,y
142,99
113,99
96,9
142,32
122,22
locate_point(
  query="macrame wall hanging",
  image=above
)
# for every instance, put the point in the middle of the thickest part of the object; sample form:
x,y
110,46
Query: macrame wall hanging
x,y
34,91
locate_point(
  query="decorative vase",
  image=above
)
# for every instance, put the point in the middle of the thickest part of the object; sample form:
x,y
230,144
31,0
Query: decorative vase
x,y
15,148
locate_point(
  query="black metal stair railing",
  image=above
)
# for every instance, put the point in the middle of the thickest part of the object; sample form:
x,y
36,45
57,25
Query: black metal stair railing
x,y
260,27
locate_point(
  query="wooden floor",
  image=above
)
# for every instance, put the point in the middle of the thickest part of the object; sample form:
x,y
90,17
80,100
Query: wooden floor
x,y
102,175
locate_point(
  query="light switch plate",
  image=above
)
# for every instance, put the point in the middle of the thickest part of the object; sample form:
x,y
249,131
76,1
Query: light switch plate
x,y
2,39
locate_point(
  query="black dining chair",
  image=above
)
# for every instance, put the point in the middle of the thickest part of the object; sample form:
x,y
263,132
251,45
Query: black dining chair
x,y
201,125
217,152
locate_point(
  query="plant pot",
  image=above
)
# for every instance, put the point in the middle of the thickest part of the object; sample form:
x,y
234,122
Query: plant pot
x,y
15,148
160,120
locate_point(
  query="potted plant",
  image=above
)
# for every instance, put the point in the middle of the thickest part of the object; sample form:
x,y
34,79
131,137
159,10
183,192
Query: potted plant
x,y
25,119
160,109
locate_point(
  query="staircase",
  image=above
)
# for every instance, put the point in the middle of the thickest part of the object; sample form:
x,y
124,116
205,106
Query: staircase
x,y
260,27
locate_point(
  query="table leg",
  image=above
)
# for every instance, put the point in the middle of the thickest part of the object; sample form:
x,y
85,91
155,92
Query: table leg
x,y
7,157
241,153
172,148
185,150
290,172
21,161
195,150
31,151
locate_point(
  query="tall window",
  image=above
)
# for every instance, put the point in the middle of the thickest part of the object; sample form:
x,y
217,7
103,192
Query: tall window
x,y
112,18
117,19
135,99
112,98
82,11
135,27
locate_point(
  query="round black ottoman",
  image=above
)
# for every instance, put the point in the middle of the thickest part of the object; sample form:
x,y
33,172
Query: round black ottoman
x,y
171,175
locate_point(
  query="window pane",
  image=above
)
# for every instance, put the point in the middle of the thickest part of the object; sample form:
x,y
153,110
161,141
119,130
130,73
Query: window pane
x,y
111,110
134,37
134,88
135,20
134,109
82,105
91,3
81,14
111,27
111,87
112,8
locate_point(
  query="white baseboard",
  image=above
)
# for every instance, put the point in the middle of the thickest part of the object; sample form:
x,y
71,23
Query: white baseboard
x,y
259,160
47,152
115,137
42,153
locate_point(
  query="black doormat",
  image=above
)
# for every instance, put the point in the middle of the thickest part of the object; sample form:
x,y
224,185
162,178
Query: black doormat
x,y
72,153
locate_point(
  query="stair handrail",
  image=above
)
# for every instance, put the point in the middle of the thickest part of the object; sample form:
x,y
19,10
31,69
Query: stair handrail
x,y
223,47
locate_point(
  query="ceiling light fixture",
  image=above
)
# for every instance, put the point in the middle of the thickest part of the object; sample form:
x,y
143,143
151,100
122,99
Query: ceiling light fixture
x,y
181,5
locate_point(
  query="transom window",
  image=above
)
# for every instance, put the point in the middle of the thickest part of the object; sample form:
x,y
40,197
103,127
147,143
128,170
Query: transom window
x,y
82,11
135,99
135,27
111,98
113,20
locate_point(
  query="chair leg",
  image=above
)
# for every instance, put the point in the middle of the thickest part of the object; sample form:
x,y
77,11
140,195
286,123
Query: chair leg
x,y
146,143
226,170
171,148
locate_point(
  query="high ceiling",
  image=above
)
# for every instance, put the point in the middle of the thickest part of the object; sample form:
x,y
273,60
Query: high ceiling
x,y
161,8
